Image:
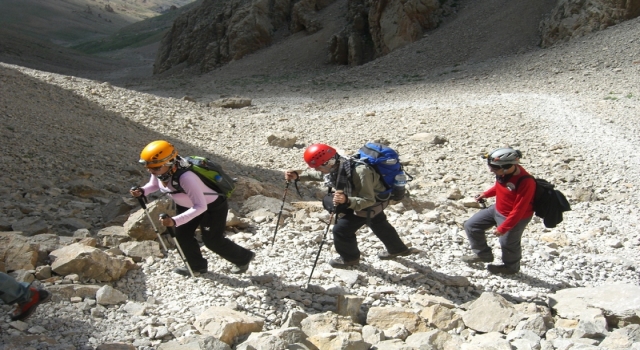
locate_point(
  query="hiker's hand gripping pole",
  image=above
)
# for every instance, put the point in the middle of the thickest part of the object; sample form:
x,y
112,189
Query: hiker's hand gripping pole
x,y
142,199
324,237
172,233
286,188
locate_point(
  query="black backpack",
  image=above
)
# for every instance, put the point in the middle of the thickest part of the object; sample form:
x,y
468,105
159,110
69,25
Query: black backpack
x,y
548,203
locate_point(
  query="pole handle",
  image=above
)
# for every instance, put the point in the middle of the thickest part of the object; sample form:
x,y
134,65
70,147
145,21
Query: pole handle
x,y
142,199
170,229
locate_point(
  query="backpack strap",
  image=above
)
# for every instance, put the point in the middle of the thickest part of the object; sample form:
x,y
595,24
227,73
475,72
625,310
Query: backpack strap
x,y
522,178
386,193
175,182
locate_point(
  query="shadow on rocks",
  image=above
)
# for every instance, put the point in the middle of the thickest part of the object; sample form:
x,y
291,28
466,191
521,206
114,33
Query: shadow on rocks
x,y
67,328
438,283
226,279
536,282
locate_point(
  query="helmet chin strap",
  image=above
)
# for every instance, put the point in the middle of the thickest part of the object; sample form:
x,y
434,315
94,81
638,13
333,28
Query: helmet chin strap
x,y
504,178
166,176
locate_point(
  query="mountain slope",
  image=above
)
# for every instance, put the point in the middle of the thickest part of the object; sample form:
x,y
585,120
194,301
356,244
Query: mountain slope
x,y
572,109
74,21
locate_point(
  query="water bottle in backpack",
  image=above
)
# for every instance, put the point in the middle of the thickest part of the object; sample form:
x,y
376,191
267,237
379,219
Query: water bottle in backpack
x,y
399,184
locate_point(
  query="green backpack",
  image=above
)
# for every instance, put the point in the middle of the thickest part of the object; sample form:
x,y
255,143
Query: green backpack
x,y
209,172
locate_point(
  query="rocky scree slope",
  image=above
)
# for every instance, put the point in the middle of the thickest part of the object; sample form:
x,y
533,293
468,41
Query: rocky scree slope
x,y
570,109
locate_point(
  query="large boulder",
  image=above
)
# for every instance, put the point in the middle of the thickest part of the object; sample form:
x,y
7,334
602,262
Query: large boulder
x,y
618,302
328,322
491,313
89,263
394,24
226,324
378,27
217,32
195,342
68,291
138,226
17,252
30,226
339,340
387,317
575,18
304,15
274,340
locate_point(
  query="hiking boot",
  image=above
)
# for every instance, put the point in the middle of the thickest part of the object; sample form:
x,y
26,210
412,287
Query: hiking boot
x,y
472,259
386,255
503,269
24,310
339,263
243,268
184,271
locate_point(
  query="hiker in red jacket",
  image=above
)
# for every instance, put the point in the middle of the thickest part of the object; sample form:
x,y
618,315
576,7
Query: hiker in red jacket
x,y
510,214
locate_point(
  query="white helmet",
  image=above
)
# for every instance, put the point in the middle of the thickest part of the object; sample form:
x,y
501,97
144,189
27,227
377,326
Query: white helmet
x,y
504,156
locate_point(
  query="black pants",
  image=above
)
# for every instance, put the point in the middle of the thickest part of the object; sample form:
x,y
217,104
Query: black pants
x,y
212,224
346,243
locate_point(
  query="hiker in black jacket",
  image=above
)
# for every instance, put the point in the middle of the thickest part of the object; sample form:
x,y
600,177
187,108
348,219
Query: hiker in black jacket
x,y
355,201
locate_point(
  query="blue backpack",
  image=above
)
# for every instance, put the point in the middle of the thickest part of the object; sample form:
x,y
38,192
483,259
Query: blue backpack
x,y
386,162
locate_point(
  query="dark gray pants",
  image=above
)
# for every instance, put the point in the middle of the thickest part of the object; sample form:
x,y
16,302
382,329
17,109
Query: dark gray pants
x,y
483,220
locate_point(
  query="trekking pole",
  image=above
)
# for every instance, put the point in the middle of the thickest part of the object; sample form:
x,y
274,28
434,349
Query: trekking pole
x,y
286,188
142,199
172,233
324,236
320,248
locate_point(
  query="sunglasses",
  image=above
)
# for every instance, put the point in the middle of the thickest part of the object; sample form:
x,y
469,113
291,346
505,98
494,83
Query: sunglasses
x,y
498,167
328,163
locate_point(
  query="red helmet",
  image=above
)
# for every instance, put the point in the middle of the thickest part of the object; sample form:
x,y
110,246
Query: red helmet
x,y
318,154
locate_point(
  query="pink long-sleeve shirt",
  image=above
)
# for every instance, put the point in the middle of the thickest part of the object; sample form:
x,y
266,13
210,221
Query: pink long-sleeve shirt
x,y
196,195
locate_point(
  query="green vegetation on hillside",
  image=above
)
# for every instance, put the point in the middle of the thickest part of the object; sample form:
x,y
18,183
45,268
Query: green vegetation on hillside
x,y
120,41
135,35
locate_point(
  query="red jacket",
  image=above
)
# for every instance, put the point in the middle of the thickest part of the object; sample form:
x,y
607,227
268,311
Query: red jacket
x,y
514,204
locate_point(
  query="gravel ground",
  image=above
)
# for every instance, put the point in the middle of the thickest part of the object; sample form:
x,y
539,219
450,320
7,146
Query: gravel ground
x,y
572,110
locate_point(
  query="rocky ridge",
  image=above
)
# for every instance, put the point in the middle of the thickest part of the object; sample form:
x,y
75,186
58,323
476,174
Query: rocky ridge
x,y
570,109
357,31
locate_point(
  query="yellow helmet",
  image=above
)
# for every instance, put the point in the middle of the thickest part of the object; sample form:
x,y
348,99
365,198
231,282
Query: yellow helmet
x,y
157,154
